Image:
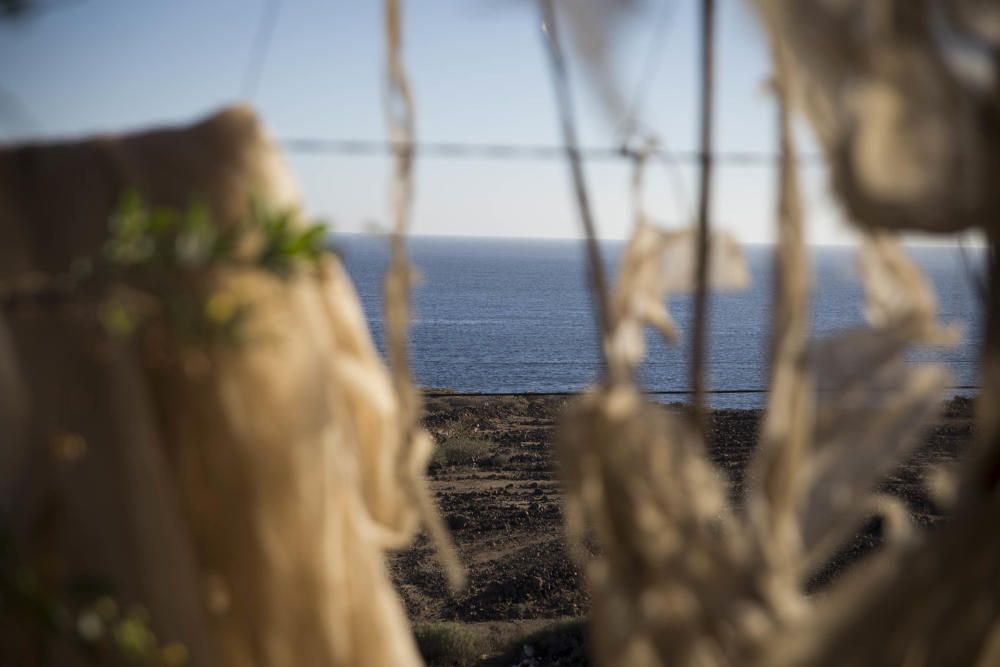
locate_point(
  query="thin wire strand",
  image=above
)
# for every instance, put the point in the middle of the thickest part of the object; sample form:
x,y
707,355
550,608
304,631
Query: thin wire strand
x,y
485,151
664,18
571,152
700,333
631,126
260,47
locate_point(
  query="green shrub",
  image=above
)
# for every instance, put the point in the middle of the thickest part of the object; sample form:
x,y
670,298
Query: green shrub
x,y
461,450
445,643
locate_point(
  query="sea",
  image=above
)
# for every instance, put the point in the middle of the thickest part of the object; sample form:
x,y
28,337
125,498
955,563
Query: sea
x,y
502,316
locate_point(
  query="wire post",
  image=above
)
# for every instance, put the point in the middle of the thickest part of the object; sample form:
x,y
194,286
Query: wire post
x,y
699,345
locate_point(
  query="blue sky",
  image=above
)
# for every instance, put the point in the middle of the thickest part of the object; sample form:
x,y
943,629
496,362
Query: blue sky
x,y
479,75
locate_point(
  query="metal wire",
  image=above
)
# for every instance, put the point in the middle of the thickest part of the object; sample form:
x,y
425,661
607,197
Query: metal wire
x,y
478,151
570,150
663,20
699,338
260,47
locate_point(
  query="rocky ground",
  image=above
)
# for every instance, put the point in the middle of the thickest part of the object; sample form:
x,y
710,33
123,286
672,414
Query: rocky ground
x,y
496,481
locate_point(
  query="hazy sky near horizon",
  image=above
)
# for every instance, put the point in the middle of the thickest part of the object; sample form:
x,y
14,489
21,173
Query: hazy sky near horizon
x,y
479,74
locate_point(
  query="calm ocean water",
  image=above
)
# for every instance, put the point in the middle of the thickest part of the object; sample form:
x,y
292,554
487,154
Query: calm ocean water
x,y
506,315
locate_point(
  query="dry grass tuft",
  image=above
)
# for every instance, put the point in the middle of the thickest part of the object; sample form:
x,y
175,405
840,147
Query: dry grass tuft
x,y
448,643
462,451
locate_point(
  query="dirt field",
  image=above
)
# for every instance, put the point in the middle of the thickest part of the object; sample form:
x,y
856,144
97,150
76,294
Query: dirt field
x,y
496,482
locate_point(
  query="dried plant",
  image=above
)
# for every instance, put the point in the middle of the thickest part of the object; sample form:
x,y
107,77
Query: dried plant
x,y
244,495
416,447
247,495
679,577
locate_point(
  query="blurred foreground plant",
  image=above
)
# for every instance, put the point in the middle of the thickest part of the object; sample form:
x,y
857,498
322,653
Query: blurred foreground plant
x,y
680,576
167,258
54,614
